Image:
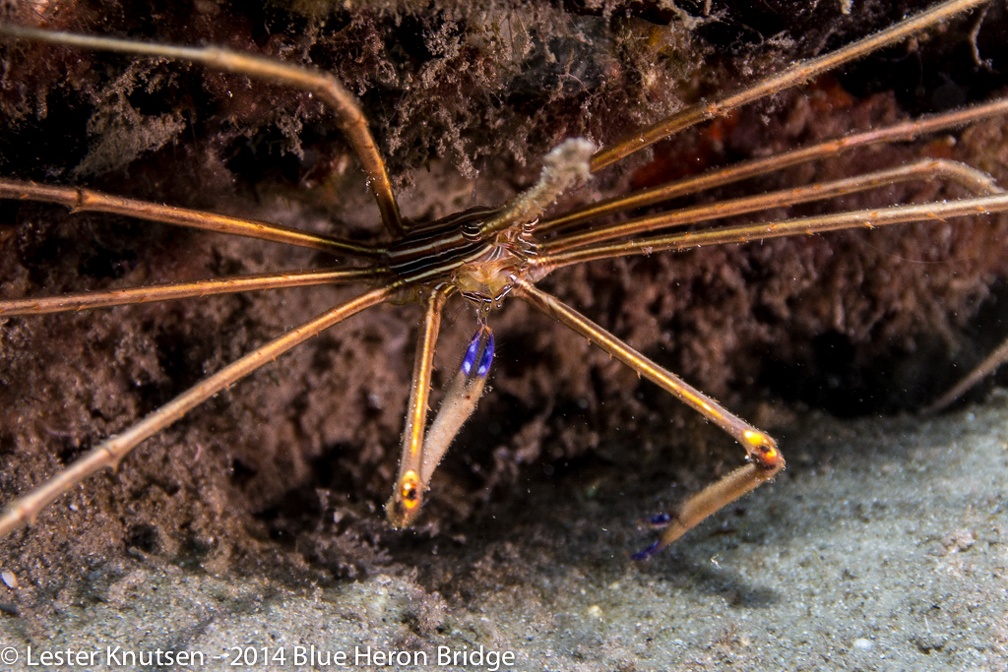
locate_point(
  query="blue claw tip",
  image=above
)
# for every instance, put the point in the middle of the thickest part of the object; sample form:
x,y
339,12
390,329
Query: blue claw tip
x,y
660,520
647,552
484,337
469,360
487,358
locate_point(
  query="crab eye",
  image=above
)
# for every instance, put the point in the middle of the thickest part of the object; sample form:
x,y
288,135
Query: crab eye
x,y
471,231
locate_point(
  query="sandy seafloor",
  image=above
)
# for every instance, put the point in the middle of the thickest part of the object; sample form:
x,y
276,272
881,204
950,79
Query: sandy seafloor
x,y
883,547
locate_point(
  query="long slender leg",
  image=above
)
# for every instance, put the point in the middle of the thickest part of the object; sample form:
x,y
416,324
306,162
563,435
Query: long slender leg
x,y
349,115
111,451
764,460
181,290
457,406
87,200
989,365
796,74
898,214
407,497
902,132
925,169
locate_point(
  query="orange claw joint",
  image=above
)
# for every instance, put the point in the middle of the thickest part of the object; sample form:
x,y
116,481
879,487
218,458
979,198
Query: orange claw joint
x,y
404,505
764,462
763,452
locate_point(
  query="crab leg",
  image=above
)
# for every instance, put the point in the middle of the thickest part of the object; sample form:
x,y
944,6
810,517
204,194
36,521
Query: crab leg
x,y
88,200
407,498
459,401
181,290
349,114
110,452
796,74
897,214
764,460
989,365
925,169
901,132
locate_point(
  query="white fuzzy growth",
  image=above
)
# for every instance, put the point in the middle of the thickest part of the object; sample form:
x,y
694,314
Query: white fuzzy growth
x,y
566,166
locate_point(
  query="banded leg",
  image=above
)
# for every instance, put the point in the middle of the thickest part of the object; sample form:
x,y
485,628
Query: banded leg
x,y
764,460
110,452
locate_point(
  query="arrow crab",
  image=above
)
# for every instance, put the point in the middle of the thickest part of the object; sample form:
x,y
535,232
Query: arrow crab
x,y
479,257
